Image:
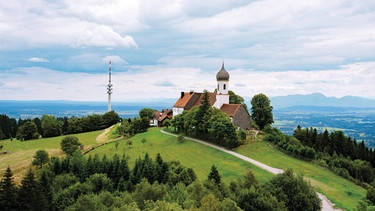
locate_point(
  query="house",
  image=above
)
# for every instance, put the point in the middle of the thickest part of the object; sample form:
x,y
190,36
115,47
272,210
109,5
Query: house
x,y
219,99
160,116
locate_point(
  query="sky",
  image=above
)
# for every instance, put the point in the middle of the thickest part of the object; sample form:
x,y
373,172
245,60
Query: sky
x,y
60,50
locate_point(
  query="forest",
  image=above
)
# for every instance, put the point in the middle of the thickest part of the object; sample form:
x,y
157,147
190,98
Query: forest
x,y
99,183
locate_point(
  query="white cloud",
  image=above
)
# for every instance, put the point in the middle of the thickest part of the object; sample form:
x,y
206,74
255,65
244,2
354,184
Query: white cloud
x,y
114,59
104,36
37,59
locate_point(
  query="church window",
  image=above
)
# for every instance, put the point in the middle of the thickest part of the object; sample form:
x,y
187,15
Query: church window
x,y
224,86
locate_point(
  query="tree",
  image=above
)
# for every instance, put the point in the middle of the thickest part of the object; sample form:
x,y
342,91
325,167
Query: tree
x,y
41,157
261,110
28,194
8,192
214,175
27,131
69,144
146,113
294,191
236,99
50,126
110,118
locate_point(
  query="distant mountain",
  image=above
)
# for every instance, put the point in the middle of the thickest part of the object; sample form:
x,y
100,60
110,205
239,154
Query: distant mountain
x,y
318,99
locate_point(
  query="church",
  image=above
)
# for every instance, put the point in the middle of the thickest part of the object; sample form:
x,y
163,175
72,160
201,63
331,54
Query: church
x,y
219,99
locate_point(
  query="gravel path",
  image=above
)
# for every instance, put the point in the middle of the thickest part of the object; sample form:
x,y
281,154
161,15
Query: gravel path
x,y
326,204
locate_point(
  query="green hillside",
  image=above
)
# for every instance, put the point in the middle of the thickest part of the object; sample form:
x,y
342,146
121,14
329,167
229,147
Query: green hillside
x,y
188,153
20,153
340,191
343,193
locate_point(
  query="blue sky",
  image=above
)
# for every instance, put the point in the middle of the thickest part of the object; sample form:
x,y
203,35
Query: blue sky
x,y
59,50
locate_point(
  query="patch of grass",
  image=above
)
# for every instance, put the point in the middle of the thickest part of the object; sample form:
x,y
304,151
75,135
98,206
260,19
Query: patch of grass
x,y
340,191
188,153
20,153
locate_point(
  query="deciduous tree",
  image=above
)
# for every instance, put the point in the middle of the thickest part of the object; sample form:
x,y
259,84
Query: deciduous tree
x,y
27,131
261,110
69,144
41,157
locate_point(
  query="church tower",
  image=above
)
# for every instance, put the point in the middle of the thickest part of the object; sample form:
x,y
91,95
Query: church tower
x,y
222,96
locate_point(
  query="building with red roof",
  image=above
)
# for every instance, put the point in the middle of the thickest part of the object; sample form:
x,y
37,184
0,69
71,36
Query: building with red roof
x,y
219,99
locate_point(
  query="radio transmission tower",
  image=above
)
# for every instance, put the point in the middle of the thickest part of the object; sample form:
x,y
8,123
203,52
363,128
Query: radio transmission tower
x,y
109,88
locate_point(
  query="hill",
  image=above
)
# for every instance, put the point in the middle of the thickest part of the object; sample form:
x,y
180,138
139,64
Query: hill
x,y
343,193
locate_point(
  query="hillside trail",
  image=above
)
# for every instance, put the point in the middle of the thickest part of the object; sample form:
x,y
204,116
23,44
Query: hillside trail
x,y
327,205
101,137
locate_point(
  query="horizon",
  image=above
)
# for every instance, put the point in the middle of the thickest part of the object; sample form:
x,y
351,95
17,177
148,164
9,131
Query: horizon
x,y
60,50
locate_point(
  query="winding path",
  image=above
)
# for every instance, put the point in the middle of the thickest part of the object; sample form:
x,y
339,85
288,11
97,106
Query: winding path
x,y
326,204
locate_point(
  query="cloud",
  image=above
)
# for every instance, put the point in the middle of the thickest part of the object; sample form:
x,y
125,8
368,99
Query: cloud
x,y
36,59
164,83
114,59
278,47
355,79
104,36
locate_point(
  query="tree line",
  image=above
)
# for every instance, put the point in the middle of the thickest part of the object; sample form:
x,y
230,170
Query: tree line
x,y
51,126
99,183
333,150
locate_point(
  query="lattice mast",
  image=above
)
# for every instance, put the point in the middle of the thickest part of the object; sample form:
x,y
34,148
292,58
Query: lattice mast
x,y
109,88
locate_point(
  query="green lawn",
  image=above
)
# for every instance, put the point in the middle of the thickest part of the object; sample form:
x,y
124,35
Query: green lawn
x,y
343,193
188,153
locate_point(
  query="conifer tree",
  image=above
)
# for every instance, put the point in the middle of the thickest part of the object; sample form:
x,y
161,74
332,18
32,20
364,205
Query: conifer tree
x,y
8,192
214,175
28,194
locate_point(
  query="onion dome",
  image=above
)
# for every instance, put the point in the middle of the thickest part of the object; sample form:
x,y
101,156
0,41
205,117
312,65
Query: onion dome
x,y
222,75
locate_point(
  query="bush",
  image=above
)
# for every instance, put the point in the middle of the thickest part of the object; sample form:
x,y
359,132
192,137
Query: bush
x,y
69,144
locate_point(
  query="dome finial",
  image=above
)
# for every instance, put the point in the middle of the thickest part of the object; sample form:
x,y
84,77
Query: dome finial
x,y
222,75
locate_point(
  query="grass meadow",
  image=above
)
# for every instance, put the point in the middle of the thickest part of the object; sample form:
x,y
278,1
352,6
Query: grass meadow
x,y
20,153
338,190
188,153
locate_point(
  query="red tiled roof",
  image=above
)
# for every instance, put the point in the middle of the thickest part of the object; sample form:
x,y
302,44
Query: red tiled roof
x,y
183,100
161,115
230,109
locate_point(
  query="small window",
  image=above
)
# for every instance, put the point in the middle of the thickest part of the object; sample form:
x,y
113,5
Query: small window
x,y
224,86
218,87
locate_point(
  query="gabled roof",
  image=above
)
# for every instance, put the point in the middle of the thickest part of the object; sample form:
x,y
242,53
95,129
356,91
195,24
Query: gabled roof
x,y
212,97
230,109
184,99
161,115
192,99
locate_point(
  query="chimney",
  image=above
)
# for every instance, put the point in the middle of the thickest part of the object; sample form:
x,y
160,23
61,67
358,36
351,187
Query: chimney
x,y
182,94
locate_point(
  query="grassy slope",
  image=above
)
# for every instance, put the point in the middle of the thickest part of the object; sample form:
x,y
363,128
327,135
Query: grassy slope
x,y
343,193
20,154
188,153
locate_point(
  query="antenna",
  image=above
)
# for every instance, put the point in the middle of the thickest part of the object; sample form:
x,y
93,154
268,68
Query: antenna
x,y
109,88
